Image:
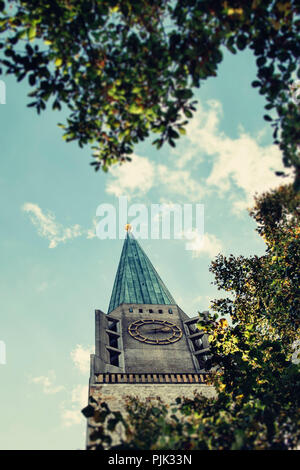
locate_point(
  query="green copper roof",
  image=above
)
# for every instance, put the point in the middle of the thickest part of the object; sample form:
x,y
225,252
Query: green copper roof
x,y
137,281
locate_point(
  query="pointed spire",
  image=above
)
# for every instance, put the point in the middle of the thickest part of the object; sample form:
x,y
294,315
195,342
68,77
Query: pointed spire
x,y
137,281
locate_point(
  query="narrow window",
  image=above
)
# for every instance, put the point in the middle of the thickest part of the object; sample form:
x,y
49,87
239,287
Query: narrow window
x,y
170,310
150,310
113,341
140,310
131,309
192,329
197,344
160,311
114,358
112,324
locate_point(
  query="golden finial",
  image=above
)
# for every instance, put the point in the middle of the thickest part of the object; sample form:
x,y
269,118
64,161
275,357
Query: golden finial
x,y
128,227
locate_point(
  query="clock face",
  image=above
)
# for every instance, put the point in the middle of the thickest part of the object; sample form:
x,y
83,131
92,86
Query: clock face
x,y
155,331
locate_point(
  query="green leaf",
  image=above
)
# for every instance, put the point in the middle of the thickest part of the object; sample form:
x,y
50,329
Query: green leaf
x,y
261,61
134,109
31,33
183,94
98,434
241,42
31,79
112,424
188,113
88,411
158,143
173,134
58,62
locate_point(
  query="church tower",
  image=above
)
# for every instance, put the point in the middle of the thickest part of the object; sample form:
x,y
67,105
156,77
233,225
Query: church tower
x,y
145,345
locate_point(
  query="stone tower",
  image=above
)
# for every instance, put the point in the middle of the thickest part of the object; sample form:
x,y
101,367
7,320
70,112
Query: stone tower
x,y
145,344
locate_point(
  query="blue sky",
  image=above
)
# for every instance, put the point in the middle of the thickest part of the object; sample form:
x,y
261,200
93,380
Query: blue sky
x,y
55,272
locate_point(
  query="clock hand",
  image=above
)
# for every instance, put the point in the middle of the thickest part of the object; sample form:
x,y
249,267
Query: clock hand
x,y
161,330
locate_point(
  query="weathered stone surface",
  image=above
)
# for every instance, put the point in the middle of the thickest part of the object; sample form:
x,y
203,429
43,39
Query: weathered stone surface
x,y
115,396
138,357
115,393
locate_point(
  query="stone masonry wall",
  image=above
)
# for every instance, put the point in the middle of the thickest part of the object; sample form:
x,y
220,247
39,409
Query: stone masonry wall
x,y
114,395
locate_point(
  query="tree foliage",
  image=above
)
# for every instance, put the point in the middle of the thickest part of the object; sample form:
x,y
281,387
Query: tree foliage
x,y
257,383
126,69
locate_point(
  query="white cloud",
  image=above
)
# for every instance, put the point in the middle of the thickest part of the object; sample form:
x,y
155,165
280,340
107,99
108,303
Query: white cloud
x,y
91,232
200,133
204,298
179,182
48,227
135,177
206,245
207,162
237,163
139,176
71,411
241,165
48,383
79,399
81,358
53,231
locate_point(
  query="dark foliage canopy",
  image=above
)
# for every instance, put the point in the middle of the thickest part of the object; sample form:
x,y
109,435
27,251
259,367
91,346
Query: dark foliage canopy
x,y
127,69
